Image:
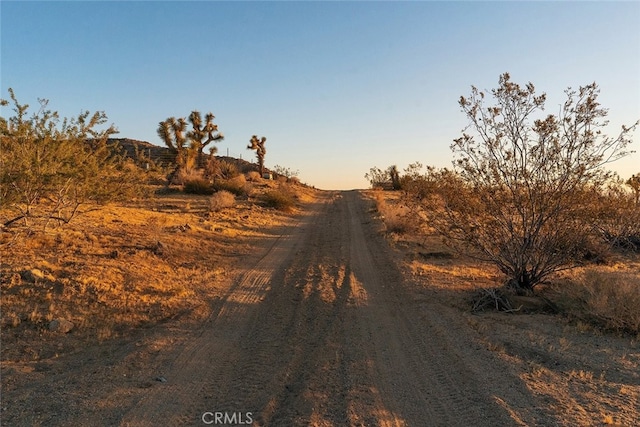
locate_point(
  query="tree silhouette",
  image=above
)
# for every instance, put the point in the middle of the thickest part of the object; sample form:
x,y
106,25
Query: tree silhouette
x,y
258,145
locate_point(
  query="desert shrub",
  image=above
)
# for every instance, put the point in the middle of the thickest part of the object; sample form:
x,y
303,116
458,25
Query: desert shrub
x,y
253,176
220,169
377,177
50,169
220,200
228,170
281,199
180,176
610,299
197,186
285,171
237,185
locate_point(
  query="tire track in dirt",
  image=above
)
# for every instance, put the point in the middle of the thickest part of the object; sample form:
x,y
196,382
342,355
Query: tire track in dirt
x,y
323,331
217,346
425,381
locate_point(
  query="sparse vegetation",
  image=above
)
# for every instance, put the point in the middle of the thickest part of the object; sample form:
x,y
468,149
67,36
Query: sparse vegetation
x,y
285,172
605,297
397,217
281,199
378,178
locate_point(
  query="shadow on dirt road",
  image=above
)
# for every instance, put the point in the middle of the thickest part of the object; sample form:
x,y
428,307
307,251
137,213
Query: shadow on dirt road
x,y
322,331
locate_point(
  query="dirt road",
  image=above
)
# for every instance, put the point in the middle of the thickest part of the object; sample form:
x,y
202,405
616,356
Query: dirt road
x,y
321,330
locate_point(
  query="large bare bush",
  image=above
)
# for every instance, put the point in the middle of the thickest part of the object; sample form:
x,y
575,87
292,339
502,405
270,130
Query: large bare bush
x,y
527,181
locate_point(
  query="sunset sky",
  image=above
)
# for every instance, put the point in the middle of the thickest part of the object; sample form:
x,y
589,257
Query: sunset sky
x,y
336,87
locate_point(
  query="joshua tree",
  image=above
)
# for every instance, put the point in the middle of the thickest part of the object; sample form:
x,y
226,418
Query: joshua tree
x,y
187,146
202,134
258,145
172,133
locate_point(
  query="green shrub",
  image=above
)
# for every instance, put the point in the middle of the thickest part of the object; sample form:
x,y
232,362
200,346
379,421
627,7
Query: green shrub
x,y
53,168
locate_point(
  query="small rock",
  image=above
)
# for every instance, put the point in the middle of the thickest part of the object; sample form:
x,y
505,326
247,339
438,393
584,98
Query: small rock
x,y
114,254
62,326
36,274
159,248
16,279
161,379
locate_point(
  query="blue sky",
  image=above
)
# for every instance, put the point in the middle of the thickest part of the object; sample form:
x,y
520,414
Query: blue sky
x,y
336,87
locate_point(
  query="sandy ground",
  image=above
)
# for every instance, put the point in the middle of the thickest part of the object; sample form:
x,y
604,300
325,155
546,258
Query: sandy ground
x,y
327,326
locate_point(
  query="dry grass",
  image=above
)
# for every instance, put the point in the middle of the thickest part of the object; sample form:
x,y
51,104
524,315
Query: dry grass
x,y
397,217
608,297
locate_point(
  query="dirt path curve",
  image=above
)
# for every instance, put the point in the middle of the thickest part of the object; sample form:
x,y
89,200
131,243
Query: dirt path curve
x,y
323,330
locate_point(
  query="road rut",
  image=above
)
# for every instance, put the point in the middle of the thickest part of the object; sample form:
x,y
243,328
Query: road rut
x,y
323,331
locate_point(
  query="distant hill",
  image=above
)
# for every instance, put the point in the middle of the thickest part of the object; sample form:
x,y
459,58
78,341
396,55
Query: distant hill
x,y
162,155
156,153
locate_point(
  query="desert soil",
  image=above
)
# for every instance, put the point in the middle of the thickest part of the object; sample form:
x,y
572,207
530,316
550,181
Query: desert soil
x,y
328,327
